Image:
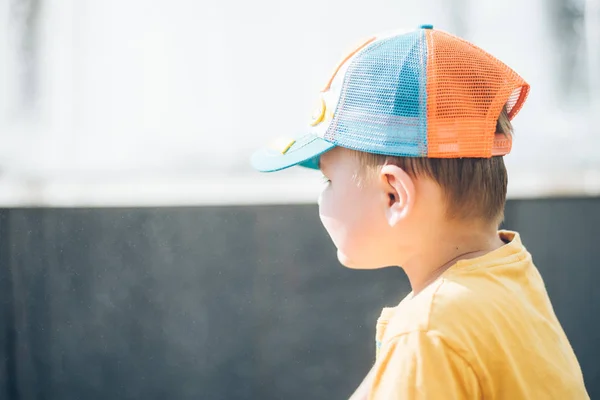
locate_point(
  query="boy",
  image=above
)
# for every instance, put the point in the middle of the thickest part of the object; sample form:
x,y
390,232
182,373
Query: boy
x,y
410,135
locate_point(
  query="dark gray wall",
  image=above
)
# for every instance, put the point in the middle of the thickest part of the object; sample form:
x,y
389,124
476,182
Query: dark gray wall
x,y
229,302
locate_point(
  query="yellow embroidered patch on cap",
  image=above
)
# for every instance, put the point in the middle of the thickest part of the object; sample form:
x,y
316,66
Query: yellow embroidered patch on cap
x,y
282,145
319,113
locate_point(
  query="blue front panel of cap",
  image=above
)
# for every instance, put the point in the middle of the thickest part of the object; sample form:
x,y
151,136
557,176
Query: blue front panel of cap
x,y
383,104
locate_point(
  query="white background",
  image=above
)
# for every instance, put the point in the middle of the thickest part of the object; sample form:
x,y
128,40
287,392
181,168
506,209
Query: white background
x,y
152,102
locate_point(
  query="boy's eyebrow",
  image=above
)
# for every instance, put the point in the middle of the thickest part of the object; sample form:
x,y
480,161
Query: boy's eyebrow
x,y
320,162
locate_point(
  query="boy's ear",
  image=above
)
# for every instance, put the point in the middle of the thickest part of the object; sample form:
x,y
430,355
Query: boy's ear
x,y
399,192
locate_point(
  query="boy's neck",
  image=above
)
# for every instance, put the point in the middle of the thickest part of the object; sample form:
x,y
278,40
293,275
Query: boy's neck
x,y
445,248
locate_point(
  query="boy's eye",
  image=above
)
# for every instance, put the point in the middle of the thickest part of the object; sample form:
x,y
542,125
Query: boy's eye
x,y
325,179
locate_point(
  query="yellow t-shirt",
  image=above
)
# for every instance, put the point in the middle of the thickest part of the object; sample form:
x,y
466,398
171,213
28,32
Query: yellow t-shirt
x,y
484,330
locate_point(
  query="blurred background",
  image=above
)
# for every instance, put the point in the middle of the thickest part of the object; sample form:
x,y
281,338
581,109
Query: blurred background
x,y
141,257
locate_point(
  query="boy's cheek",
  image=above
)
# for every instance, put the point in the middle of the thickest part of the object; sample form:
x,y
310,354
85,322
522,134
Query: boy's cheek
x,y
327,210
345,239
334,218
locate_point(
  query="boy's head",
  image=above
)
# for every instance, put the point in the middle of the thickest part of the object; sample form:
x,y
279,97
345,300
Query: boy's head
x,y
473,188
381,210
410,133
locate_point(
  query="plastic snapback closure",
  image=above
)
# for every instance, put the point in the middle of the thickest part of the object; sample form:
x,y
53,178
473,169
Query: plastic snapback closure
x,y
502,144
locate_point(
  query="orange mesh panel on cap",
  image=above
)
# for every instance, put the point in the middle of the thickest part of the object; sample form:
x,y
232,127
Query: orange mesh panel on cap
x,y
466,90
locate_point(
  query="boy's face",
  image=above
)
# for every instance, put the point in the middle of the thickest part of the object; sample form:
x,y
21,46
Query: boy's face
x,y
356,216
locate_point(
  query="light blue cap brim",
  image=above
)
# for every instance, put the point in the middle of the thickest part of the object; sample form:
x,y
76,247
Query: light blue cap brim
x,y
305,152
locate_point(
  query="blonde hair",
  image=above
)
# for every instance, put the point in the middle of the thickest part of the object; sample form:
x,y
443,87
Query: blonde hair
x,y
474,188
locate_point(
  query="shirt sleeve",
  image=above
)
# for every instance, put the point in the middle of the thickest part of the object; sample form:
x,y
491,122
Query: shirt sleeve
x,y
419,365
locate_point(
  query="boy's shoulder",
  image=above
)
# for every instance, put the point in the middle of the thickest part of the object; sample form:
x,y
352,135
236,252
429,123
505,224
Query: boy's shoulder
x,y
494,316
474,297
443,307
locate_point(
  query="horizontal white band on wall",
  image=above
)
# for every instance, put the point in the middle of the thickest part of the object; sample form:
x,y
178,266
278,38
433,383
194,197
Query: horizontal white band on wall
x,y
253,189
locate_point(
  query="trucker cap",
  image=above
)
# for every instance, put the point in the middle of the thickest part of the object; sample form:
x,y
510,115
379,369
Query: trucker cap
x,y
422,93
